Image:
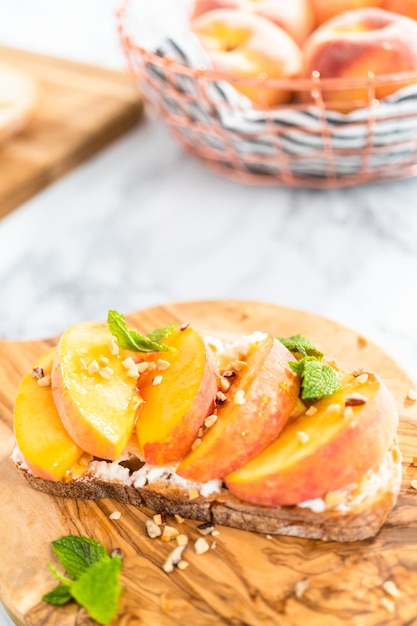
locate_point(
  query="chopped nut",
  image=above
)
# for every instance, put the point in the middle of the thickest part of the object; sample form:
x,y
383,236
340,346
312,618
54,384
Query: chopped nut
x,y
142,367
104,360
239,397
169,533
115,515
182,540
151,366
157,380
355,399
229,373
302,436
179,519
224,384
184,326
133,371
412,394
213,545
157,518
182,564
162,365
268,536
215,532
333,408
348,413
196,443
152,529
93,367
173,559
301,587
312,410
333,498
117,552
391,588
37,373
45,381
193,493
413,484
83,364
113,346
210,420
206,528
128,363
362,378
220,398
388,604
106,372
362,342
201,546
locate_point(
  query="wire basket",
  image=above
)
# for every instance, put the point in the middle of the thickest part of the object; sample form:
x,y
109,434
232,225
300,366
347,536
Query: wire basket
x,y
303,144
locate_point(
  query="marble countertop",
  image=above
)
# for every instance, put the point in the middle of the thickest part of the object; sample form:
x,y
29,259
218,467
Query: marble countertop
x,y
142,224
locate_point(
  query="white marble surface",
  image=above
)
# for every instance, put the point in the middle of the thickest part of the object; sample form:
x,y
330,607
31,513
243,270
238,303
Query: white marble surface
x,y
143,224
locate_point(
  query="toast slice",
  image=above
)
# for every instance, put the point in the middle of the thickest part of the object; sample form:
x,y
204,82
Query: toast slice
x,y
354,513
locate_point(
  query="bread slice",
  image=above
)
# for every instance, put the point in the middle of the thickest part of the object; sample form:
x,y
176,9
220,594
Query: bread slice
x,y
17,100
354,513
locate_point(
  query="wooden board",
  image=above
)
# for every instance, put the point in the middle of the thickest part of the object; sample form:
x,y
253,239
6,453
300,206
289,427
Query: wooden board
x,y
81,108
247,579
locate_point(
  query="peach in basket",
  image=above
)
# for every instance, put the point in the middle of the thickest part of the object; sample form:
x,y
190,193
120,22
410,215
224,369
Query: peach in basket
x,y
305,142
366,42
249,46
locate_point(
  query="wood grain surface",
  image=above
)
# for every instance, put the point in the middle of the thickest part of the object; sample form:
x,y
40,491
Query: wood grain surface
x,y
247,579
80,109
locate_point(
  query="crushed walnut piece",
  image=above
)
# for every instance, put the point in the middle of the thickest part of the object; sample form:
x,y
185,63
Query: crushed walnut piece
x,y
201,546
312,410
206,528
355,399
391,588
210,420
412,395
182,540
173,558
153,529
193,493
45,381
413,484
220,398
302,436
301,587
115,515
37,373
239,397
169,533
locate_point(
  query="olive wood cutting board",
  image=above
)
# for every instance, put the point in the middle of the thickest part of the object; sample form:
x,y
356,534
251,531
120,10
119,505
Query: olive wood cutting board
x,y
80,109
247,579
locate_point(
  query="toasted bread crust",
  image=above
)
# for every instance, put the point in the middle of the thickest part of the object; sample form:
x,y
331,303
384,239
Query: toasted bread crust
x,y
359,521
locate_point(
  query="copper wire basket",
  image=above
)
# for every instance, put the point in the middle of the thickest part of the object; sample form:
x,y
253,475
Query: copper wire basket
x,y
301,144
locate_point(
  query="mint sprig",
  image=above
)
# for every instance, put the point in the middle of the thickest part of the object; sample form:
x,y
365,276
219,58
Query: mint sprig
x,y
317,380
301,345
129,339
94,577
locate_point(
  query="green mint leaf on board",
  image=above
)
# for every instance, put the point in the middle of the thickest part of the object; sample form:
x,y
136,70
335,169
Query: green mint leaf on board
x,y
302,345
95,582
58,596
317,380
76,554
98,589
132,340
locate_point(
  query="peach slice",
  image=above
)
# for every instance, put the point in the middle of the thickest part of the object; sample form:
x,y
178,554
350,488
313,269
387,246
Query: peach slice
x,y
257,408
48,449
95,394
348,435
177,400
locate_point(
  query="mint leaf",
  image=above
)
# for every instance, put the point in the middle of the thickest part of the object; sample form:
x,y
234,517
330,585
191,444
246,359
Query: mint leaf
x,y
76,554
162,333
317,380
98,589
58,596
95,582
132,340
302,345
